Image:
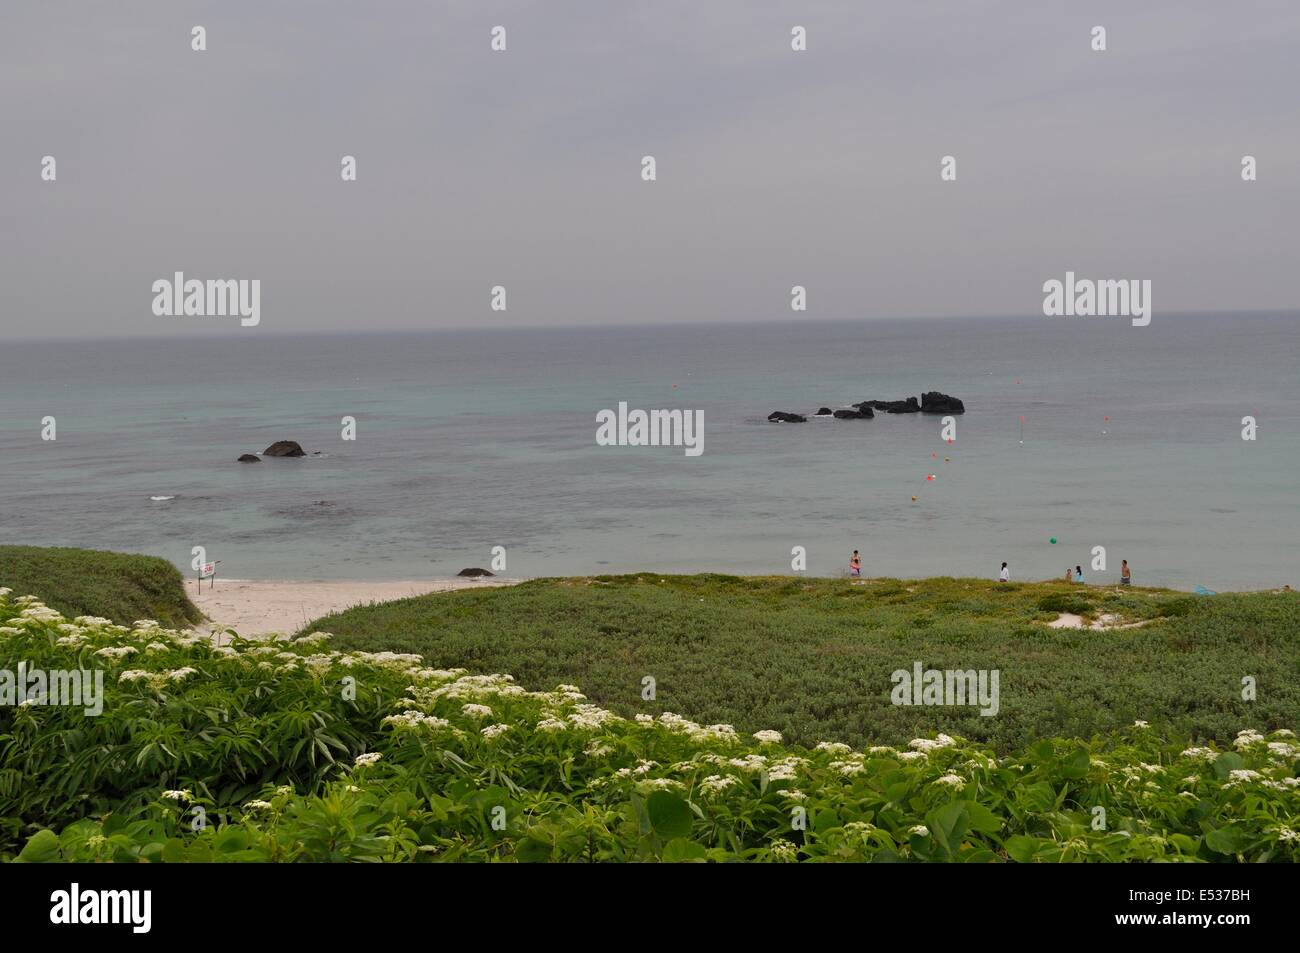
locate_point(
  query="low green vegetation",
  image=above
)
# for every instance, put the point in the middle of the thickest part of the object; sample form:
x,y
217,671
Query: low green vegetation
x,y
118,586
289,751
813,658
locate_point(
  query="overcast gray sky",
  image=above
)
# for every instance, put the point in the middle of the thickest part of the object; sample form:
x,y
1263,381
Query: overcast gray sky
x,y
522,168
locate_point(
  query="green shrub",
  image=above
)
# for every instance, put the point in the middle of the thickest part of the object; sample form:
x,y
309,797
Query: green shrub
x,y
1176,608
1065,602
813,658
118,586
286,752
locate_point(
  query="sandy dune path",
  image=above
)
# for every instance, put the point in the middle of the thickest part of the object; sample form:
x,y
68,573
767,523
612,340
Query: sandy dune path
x,y
258,608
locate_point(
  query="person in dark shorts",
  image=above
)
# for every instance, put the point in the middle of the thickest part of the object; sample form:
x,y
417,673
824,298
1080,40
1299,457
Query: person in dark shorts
x,y
1124,578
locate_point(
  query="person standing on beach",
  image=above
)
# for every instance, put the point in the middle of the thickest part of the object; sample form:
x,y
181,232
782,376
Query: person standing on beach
x,y
855,565
1125,578
1005,574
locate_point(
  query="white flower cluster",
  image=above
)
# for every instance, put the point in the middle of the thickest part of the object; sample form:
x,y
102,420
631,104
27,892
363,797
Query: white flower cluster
x,y
833,747
592,716
156,680
643,767
660,784
697,732
117,651
784,851
1286,784
40,613
1283,750
786,769
415,719
716,783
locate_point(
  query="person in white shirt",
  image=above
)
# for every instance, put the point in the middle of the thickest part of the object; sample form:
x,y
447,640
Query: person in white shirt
x,y
1005,574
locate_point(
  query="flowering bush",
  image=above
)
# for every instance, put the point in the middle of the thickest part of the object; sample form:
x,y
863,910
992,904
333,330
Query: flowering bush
x,y
285,751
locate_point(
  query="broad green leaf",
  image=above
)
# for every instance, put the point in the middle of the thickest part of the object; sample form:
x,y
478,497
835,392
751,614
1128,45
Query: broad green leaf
x,y
42,848
679,850
532,850
1075,765
1226,840
1023,849
670,815
948,825
1227,762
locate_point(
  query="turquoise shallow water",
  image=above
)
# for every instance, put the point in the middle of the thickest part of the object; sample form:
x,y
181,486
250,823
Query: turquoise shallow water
x,y
468,440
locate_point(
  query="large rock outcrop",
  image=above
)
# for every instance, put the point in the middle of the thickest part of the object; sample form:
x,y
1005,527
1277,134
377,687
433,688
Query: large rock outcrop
x,y
862,413
909,406
475,572
933,402
284,448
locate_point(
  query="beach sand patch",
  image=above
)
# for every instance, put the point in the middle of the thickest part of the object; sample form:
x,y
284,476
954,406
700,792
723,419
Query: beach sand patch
x,y
262,608
1068,620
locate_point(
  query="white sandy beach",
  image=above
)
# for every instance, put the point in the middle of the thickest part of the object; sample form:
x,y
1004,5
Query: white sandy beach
x,y
261,607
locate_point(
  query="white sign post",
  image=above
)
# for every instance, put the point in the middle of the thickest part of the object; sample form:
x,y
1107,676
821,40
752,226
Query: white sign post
x,y
209,571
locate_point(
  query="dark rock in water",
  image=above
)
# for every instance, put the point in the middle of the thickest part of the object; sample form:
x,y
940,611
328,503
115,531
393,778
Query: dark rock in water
x,y
933,402
284,448
475,572
909,406
779,417
250,458
823,412
854,414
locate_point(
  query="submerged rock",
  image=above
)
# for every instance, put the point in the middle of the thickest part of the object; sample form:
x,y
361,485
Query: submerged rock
x,y
249,458
824,412
475,571
780,417
284,448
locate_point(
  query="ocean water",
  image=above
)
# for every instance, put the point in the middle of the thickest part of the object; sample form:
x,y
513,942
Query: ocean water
x,y
472,439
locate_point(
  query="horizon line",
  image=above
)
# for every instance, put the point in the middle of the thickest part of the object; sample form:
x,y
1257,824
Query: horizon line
x,y
324,332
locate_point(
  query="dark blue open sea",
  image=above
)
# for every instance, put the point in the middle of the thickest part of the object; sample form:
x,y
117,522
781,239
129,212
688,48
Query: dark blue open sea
x,y
471,439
